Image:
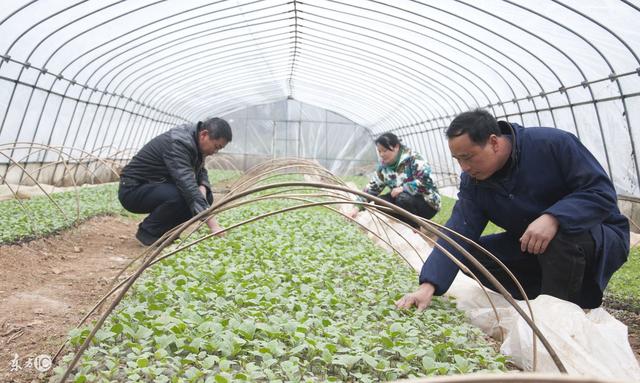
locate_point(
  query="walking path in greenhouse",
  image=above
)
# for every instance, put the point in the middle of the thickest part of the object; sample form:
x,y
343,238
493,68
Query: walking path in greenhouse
x,y
48,285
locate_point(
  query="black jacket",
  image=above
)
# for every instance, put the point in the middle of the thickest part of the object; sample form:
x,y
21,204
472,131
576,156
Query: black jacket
x,y
173,157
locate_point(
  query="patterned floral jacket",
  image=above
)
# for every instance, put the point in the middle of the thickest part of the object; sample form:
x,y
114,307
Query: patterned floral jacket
x,y
411,172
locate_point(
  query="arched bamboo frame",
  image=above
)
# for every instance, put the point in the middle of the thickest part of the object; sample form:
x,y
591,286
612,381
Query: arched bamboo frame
x,y
154,255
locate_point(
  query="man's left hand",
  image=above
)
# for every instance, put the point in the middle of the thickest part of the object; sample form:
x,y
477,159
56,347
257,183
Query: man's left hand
x,y
395,192
538,234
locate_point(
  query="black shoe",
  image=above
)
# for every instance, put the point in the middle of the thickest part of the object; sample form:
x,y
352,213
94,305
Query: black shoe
x,y
145,238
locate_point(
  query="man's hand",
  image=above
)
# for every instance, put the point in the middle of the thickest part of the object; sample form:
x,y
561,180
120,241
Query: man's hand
x,y
421,298
353,213
212,222
395,192
538,234
214,227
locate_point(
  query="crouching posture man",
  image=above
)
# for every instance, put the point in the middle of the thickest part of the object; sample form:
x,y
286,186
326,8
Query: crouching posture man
x,y
167,177
564,235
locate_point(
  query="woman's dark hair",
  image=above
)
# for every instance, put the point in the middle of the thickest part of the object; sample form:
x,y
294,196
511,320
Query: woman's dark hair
x,y
216,128
388,140
478,124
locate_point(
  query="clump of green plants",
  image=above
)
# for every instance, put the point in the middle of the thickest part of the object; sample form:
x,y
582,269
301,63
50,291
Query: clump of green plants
x,y
302,297
623,290
38,216
359,181
445,210
220,175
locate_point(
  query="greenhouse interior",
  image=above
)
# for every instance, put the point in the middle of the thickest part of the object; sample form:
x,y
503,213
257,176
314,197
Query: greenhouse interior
x,y
324,190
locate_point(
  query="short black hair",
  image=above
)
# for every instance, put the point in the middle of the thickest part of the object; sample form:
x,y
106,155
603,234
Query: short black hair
x,y
387,140
216,128
478,124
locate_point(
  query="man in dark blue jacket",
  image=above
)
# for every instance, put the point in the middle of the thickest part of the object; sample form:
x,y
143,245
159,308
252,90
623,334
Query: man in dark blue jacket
x,y
167,177
564,235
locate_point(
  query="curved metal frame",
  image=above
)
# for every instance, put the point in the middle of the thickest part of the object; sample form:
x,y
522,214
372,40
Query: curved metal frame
x,y
124,108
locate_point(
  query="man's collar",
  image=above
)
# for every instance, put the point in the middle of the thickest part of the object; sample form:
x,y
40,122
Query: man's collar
x,y
507,129
508,132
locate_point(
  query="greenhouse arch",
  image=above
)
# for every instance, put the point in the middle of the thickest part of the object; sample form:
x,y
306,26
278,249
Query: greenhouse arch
x,y
105,77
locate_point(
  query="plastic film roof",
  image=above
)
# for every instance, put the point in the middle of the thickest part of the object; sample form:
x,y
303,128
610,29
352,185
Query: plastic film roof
x,y
110,75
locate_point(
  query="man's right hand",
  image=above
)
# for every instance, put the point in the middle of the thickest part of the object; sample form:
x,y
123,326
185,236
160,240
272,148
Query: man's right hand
x,y
354,212
214,227
421,298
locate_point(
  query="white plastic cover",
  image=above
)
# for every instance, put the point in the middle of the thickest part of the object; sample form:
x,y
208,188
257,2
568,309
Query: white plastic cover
x,y
588,343
104,76
290,128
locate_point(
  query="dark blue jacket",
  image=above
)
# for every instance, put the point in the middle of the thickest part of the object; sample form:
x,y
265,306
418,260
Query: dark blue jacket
x,y
551,172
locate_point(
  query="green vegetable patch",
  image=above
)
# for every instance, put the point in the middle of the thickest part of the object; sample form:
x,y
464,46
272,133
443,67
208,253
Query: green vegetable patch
x,y
301,297
38,216
445,210
623,290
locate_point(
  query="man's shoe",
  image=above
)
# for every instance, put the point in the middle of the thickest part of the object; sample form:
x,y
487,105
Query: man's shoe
x,y
145,238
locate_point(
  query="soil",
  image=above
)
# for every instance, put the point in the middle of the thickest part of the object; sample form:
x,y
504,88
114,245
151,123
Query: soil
x,y
49,284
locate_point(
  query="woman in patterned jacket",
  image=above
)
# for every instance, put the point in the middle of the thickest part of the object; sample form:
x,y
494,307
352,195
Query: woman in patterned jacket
x,y
408,177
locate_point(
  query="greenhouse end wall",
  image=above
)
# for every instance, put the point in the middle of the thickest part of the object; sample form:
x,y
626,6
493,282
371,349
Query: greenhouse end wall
x,y
290,128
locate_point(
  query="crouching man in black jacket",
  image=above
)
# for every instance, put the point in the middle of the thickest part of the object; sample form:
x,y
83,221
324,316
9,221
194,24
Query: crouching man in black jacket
x,y
167,177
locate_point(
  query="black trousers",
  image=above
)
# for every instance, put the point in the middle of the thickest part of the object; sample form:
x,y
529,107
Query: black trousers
x,y
565,270
414,204
163,201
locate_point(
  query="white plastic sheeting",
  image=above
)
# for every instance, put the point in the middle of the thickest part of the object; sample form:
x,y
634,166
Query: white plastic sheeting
x,y
589,343
290,128
106,75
